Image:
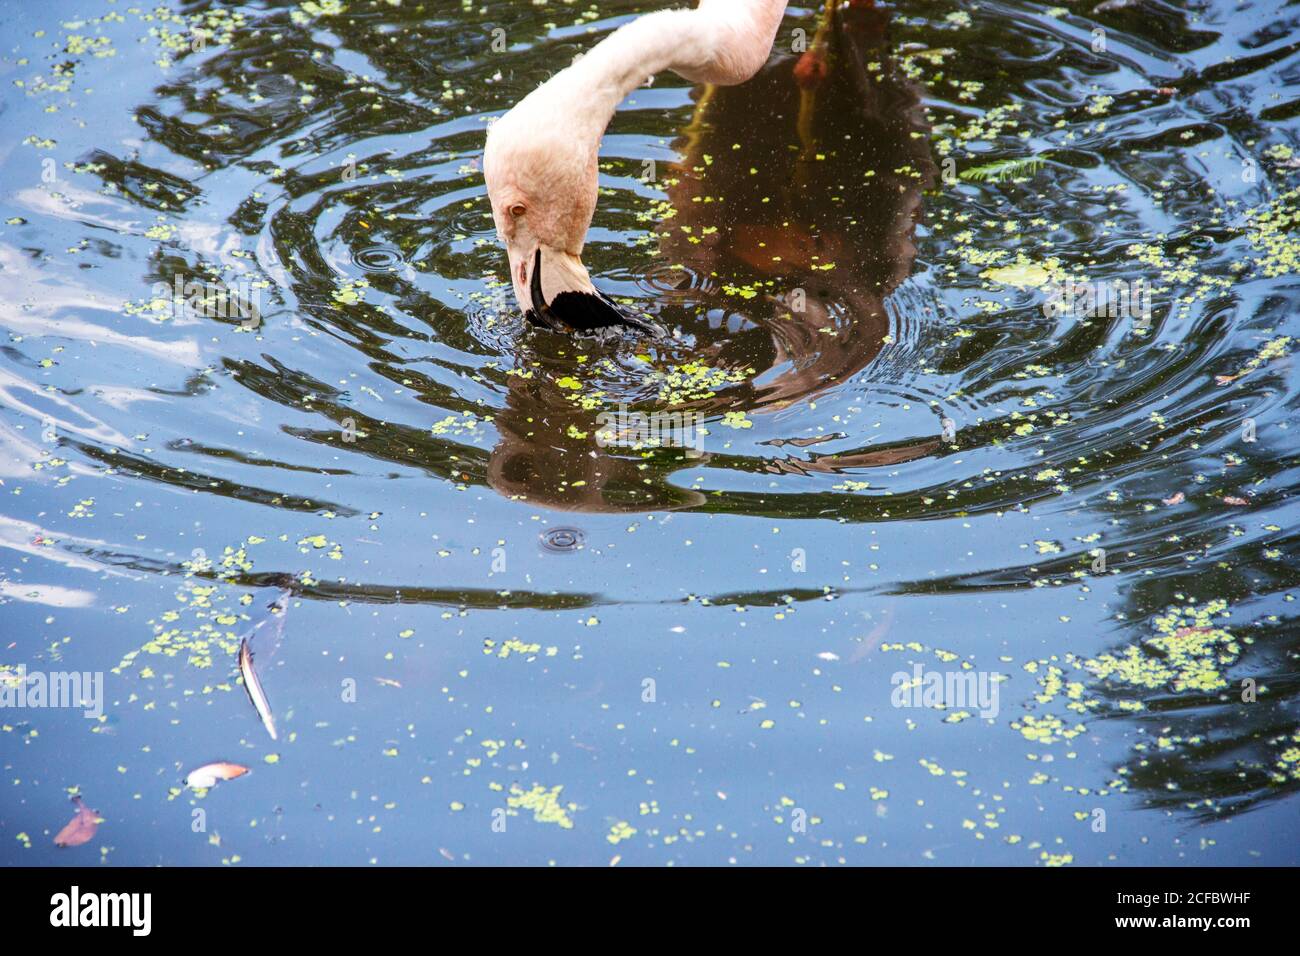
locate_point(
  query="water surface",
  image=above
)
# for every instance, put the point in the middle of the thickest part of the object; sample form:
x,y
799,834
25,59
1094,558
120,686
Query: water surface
x,y
508,640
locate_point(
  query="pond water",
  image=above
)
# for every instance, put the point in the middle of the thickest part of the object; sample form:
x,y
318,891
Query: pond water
x,y
981,374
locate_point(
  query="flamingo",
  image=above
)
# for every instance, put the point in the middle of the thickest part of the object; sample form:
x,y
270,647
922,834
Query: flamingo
x,y
540,157
827,118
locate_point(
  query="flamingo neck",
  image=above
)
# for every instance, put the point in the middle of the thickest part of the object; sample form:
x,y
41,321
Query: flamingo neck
x,y
720,41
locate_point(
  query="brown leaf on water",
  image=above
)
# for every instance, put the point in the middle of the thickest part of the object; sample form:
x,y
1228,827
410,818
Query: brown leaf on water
x,y
1176,499
81,828
208,775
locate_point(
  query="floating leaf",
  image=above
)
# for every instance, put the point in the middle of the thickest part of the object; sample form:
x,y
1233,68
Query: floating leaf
x,y
254,688
81,828
270,628
208,775
1023,274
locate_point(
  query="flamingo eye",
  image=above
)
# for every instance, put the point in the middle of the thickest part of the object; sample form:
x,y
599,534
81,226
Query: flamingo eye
x,y
518,209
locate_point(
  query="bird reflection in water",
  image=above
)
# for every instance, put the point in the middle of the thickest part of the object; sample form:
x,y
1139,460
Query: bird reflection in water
x,y
812,217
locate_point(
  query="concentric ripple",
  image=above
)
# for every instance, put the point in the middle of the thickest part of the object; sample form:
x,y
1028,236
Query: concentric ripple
x,y
378,258
562,540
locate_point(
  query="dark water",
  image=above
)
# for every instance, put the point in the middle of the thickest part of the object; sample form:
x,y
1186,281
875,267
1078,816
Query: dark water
x,y
508,640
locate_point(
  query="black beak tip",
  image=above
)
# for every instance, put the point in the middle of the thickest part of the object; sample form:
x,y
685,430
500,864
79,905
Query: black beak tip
x,y
581,313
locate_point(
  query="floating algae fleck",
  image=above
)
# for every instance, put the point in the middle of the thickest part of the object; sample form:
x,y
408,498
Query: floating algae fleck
x,y
1189,654
544,803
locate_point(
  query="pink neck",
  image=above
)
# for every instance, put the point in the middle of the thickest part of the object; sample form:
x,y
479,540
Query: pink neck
x,y
720,41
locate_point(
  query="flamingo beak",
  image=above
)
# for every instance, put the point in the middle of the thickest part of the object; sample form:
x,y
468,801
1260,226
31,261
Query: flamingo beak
x,y
578,311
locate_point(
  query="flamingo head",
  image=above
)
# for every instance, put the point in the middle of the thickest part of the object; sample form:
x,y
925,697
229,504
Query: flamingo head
x,y
541,180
